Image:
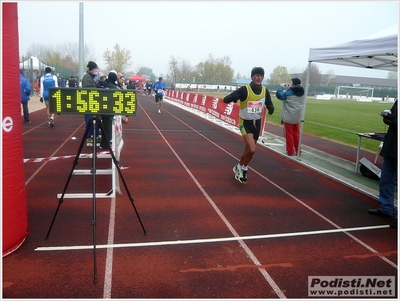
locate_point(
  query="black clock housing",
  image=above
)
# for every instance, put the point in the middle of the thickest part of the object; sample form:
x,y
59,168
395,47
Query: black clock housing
x,y
92,101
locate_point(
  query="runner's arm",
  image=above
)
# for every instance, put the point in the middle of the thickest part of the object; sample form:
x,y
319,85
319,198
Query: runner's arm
x,y
268,103
239,94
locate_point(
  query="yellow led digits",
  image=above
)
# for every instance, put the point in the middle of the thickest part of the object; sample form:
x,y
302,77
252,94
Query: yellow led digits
x,y
92,101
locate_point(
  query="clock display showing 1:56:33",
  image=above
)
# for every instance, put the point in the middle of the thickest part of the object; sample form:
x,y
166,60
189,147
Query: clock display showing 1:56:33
x,y
92,101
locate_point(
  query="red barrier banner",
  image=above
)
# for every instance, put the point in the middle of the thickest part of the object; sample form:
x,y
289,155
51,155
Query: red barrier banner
x,y
214,106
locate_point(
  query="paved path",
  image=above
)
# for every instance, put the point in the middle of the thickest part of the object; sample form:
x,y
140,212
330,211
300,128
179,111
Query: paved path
x,y
35,105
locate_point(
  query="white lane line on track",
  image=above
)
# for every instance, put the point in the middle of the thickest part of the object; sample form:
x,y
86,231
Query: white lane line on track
x,y
110,246
263,271
52,155
209,240
110,252
296,199
34,128
267,277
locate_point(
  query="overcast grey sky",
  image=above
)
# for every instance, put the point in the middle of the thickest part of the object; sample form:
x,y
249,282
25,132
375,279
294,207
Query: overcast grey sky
x,y
251,33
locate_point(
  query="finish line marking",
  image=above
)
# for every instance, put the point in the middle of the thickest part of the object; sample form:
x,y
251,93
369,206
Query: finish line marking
x,y
39,160
209,240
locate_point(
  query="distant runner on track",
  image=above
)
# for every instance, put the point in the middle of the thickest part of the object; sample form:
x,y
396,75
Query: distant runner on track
x,y
159,88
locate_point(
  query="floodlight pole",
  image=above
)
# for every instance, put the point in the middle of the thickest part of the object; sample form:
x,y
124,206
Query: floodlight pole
x,y
81,41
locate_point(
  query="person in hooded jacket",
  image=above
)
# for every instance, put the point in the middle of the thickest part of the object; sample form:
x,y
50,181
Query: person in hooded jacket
x,y
293,102
109,83
26,90
90,80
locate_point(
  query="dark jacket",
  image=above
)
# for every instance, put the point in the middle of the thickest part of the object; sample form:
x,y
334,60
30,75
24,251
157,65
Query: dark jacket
x,y
110,85
88,80
241,94
72,83
389,149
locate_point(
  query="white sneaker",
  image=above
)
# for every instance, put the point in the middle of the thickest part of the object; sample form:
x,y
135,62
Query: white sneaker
x,y
237,171
159,111
243,178
240,174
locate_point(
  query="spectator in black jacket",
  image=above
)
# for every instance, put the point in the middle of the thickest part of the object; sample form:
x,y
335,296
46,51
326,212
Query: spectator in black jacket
x,y
109,83
388,180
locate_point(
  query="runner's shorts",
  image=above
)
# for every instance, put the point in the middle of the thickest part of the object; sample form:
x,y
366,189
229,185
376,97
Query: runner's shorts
x,y
159,98
250,127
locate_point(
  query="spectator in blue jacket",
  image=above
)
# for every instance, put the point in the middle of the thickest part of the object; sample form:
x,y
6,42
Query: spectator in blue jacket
x,y
26,90
293,102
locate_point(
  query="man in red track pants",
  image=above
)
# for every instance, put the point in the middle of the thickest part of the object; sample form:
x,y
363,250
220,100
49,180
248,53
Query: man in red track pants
x,y
292,135
293,102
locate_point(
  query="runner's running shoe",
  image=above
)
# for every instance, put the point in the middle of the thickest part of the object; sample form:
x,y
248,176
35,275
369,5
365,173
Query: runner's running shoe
x,y
237,172
51,122
243,178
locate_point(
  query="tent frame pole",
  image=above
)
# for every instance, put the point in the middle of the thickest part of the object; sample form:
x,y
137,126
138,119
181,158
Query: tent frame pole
x,y
303,113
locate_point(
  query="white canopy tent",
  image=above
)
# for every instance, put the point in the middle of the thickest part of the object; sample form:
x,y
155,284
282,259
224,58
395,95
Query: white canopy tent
x,y
378,51
33,63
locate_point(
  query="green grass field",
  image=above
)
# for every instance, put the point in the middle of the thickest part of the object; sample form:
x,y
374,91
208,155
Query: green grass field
x,y
338,120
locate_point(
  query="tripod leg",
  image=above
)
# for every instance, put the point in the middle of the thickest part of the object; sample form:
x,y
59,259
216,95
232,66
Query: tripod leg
x,y
94,157
70,176
116,163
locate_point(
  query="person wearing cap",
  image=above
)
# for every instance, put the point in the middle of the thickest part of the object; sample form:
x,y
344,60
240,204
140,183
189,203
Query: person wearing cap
x,y
159,88
90,80
253,97
47,81
91,76
293,100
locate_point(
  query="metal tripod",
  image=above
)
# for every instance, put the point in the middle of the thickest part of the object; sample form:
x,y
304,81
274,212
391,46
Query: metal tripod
x,y
92,122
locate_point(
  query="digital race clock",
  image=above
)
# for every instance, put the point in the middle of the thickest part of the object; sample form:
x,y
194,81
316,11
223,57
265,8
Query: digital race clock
x,y
92,101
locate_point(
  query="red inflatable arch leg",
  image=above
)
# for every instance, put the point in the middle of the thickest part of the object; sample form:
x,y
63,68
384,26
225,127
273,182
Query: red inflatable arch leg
x,y
15,216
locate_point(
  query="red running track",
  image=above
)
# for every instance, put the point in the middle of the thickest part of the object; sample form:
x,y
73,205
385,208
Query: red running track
x,y
208,236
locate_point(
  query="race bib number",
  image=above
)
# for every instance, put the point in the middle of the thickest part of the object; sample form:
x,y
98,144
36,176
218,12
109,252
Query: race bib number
x,y
254,107
160,90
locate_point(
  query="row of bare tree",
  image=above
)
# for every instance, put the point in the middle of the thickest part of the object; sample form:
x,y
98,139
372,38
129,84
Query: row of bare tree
x,y
210,71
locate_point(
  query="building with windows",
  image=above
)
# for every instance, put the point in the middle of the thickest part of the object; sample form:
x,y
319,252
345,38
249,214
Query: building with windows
x,y
341,80
353,81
